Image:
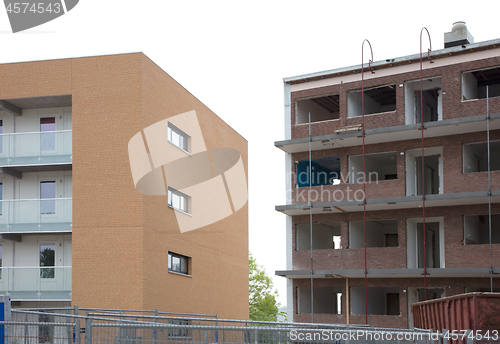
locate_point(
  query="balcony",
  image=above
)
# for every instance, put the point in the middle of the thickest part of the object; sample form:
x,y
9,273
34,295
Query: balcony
x,y
38,148
36,215
36,283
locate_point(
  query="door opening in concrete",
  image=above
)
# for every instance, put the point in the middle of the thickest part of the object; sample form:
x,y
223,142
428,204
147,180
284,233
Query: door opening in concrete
x,y
324,172
323,108
327,300
378,166
377,100
379,233
475,157
434,243
432,101
474,83
433,171
476,229
324,235
381,301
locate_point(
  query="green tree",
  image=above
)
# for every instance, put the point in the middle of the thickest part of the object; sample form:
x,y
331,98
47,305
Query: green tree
x,y
263,298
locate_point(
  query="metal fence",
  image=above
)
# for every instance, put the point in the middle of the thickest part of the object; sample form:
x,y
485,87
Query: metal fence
x,y
92,326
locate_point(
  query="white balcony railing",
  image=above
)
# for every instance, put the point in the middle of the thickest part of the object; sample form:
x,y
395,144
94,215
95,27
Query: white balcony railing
x,y
36,215
36,283
38,148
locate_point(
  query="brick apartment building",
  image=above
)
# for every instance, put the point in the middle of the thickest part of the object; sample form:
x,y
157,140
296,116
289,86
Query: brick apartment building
x,y
86,148
455,177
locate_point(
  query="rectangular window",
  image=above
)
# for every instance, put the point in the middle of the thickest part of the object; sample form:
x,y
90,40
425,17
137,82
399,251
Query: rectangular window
x,y
178,200
326,300
47,258
48,195
1,198
178,138
47,135
431,101
379,233
474,83
324,172
475,157
377,100
178,263
1,265
178,332
45,332
378,166
325,236
477,229
1,136
381,301
323,108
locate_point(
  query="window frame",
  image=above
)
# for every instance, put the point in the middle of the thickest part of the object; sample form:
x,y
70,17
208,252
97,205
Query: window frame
x,y
184,200
50,269
183,144
182,258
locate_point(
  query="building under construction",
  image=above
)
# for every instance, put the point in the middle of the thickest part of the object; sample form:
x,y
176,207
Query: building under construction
x,y
393,182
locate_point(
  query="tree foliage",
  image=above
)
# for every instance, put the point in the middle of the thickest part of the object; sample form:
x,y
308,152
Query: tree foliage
x,y
263,298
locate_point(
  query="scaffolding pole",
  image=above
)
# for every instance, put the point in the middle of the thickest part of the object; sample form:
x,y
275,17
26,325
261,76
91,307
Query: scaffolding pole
x,y
310,222
489,184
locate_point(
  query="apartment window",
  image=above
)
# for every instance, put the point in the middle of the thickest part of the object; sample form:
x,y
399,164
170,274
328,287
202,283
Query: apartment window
x,y
178,200
1,136
47,260
1,198
323,108
48,195
431,100
379,233
475,157
177,332
326,300
45,332
1,256
477,229
474,83
325,236
381,301
47,133
433,252
324,172
377,100
433,171
178,263
378,166
178,138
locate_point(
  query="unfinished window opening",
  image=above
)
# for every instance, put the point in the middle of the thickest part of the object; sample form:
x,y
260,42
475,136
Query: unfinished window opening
x,y
379,233
432,172
475,157
474,83
325,236
434,243
378,166
432,101
377,100
327,300
324,172
323,108
381,301
476,229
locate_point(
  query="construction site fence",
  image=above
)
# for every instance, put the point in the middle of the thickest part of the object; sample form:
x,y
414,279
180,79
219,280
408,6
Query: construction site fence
x,y
52,326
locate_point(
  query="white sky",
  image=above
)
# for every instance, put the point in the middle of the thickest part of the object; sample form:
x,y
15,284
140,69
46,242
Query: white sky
x,y
232,55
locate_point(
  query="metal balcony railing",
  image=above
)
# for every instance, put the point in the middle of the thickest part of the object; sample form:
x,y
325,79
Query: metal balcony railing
x,y
38,148
36,215
36,283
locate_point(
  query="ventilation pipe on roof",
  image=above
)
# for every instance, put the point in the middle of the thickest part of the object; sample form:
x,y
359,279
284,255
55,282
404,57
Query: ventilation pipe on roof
x,y
459,35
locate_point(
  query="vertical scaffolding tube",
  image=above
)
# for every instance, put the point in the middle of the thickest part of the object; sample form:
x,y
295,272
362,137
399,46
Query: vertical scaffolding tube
x,y
423,164
489,184
364,171
311,223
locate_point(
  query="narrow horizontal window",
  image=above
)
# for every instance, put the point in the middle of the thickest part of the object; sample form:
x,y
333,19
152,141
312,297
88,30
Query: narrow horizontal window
x,y
178,263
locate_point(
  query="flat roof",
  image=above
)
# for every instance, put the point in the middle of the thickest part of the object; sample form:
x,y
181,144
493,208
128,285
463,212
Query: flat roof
x,y
436,54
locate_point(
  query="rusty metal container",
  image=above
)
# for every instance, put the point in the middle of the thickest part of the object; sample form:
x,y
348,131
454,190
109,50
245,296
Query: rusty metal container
x,y
479,312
